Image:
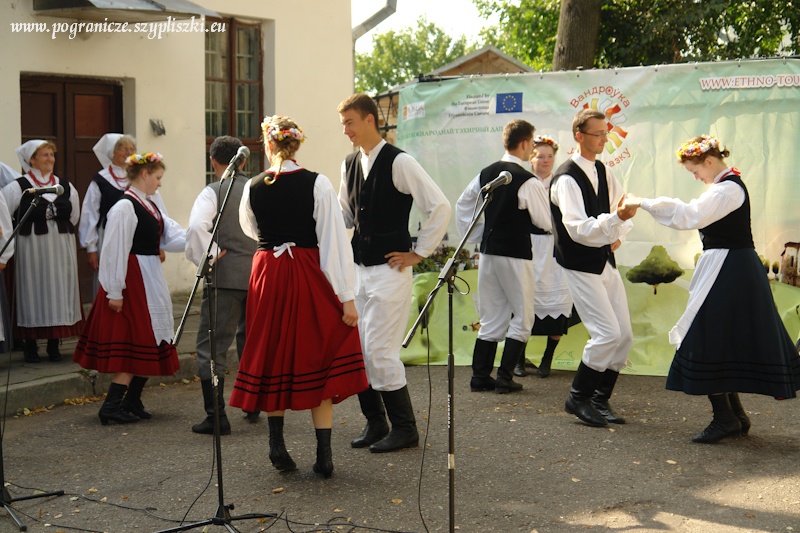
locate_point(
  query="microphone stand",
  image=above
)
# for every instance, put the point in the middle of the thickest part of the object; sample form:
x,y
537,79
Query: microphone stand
x,y
205,270
448,275
6,500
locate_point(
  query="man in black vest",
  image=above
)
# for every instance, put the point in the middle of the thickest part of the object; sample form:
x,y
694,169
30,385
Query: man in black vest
x,y
231,272
379,184
588,223
505,273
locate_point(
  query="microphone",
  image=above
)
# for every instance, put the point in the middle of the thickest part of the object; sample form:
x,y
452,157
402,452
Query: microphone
x,y
503,179
58,190
241,155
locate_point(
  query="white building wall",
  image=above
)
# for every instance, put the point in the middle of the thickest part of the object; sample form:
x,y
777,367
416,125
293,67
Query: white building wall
x,y
308,70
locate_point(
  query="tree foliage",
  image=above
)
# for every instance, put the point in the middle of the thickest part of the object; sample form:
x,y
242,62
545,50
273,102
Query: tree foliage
x,y
398,56
657,267
649,32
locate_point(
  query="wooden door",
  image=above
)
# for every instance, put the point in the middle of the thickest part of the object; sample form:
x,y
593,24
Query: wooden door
x,y
73,113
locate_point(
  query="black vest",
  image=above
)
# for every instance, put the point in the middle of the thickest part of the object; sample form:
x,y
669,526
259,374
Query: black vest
x,y
284,211
147,237
59,210
732,231
108,197
380,211
507,230
568,253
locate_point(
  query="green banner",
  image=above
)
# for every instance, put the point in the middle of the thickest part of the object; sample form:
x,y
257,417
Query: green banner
x,y
453,128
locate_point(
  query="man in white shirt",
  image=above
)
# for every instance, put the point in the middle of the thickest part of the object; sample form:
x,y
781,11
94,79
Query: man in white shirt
x,y
231,275
588,223
505,275
379,184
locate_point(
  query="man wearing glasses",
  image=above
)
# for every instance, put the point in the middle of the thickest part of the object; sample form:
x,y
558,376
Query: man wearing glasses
x,y
588,225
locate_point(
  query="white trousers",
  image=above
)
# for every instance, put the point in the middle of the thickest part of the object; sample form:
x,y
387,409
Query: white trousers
x,y
603,307
383,298
505,288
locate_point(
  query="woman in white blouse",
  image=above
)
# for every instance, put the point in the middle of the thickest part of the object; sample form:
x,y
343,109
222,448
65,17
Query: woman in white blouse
x,y
730,339
129,331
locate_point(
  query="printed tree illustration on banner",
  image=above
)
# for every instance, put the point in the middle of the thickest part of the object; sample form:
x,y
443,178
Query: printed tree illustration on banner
x,y
657,267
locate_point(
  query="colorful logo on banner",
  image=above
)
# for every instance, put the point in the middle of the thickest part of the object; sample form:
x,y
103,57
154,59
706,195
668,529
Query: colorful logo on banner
x,y
611,108
508,103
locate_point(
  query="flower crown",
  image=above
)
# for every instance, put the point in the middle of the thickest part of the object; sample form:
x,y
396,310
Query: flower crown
x,y
273,132
545,139
694,149
143,159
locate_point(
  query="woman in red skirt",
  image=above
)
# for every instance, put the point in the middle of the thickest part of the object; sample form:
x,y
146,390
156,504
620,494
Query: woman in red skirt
x,y
302,349
130,328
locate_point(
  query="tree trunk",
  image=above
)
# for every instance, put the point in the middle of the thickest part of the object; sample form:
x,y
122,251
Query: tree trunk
x,y
578,27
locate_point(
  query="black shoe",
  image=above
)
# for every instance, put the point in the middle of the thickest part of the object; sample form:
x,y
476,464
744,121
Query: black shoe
x,y
206,427
740,413
529,365
132,402
481,384
605,411
504,386
716,431
278,454
519,370
585,411
544,367
404,432
53,354
324,464
251,416
724,424
111,410
31,351
375,430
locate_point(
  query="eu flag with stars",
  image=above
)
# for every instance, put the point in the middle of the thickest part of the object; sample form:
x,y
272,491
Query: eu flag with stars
x,y
508,103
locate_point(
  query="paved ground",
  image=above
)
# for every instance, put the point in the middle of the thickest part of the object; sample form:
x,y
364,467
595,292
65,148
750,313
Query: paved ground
x,y
521,464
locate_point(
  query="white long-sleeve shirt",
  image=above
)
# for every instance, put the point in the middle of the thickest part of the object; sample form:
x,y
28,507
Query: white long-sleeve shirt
x,y
88,231
583,229
335,251
122,222
532,196
408,177
7,228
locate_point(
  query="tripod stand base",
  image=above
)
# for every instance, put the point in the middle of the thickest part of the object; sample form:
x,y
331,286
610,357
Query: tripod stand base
x,y
222,518
8,500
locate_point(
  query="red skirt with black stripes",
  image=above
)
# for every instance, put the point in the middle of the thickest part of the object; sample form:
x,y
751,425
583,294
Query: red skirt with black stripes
x,y
124,342
298,351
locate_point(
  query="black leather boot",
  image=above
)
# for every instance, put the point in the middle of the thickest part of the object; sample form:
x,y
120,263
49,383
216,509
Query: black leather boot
x,y
512,352
482,364
324,464
724,424
132,402
602,395
31,351
53,353
377,427
520,369
404,426
741,414
111,410
206,427
547,359
278,453
579,402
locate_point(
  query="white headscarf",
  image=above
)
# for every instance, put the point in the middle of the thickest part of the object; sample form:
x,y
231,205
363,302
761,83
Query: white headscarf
x,y
7,174
104,149
25,151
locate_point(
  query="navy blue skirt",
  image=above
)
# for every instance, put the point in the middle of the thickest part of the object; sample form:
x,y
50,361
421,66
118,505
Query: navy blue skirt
x,y
737,342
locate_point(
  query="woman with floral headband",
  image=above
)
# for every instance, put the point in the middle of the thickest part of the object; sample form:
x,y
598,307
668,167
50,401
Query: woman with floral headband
x,y
129,331
552,302
730,339
302,349
48,302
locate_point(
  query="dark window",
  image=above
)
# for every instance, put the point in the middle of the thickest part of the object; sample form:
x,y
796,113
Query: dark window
x,y
234,91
